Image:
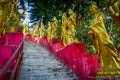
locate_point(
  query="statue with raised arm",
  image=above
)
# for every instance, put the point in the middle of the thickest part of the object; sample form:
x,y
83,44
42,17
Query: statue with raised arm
x,y
25,30
107,54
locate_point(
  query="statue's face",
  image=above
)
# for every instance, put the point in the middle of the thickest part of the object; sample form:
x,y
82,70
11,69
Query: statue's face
x,y
63,16
70,11
93,10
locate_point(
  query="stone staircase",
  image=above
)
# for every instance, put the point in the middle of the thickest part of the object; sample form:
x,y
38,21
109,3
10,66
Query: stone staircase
x,y
40,64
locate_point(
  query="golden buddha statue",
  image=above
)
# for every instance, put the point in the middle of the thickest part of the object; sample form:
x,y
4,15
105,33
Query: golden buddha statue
x,y
114,10
25,30
41,29
14,20
48,31
5,9
54,27
72,17
64,29
8,17
71,28
107,54
36,29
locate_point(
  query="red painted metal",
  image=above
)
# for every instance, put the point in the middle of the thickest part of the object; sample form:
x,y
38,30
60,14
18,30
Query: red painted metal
x,y
7,73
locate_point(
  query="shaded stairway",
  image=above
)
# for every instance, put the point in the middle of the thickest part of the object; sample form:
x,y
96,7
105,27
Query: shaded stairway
x,y
40,64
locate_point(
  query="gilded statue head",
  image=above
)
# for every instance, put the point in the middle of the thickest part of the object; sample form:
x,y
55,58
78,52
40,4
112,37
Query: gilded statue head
x,y
55,19
93,8
64,16
70,12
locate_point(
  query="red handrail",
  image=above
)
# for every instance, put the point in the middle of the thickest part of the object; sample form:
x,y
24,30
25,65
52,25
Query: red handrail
x,y
5,69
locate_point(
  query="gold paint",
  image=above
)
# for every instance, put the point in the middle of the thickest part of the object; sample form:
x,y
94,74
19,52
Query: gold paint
x,y
69,28
64,29
8,16
48,31
107,54
25,30
54,27
41,29
35,29
114,10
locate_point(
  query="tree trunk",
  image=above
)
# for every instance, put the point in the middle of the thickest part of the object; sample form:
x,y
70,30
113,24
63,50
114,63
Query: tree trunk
x,y
46,20
78,17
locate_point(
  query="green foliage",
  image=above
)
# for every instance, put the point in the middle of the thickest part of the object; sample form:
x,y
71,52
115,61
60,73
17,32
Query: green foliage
x,y
20,27
91,49
115,35
58,32
82,32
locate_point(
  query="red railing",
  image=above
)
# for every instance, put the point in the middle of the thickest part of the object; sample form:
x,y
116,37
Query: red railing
x,y
8,73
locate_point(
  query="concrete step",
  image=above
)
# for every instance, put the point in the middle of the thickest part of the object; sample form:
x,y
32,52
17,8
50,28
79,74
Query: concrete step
x,y
40,64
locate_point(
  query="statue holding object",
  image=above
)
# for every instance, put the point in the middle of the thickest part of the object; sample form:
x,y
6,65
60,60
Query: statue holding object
x,y
107,54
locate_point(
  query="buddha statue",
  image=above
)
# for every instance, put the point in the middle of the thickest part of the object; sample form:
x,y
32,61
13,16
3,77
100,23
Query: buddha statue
x,y
41,29
14,20
72,17
114,10
5,9
54,27
64,29
8,16
36,30
25,30
71,28
107,54
48,31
